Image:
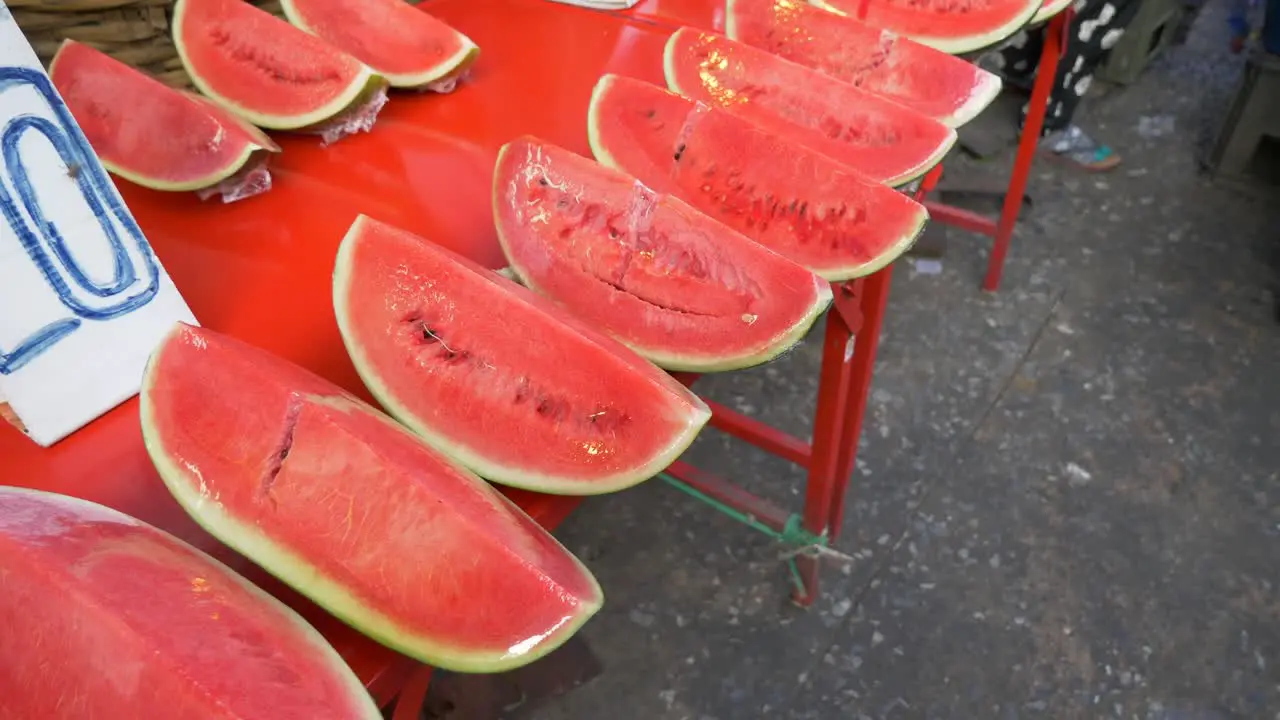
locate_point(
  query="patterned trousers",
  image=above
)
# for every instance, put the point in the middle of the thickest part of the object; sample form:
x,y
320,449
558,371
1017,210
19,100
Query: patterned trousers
x,y
1096,28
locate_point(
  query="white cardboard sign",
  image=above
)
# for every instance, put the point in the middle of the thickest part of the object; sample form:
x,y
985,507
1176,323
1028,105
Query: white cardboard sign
x,y
83,299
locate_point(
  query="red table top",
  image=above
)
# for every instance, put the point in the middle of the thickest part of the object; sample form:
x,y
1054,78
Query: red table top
x,y
706,14
261,269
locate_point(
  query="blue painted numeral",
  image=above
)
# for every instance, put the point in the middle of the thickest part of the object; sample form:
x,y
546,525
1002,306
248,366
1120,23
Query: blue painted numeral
x,y
125,291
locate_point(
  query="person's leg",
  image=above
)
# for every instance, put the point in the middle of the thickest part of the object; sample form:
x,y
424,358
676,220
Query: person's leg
x,y
1097,27
1016,62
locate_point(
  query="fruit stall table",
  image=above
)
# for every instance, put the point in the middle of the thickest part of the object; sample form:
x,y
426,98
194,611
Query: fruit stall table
x,y
710,15
858,310
261,269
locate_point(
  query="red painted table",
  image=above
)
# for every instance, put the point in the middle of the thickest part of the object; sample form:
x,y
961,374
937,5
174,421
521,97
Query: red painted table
x,y
260,269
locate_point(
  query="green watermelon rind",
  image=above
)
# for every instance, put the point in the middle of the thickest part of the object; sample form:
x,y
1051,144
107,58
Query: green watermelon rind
x,y
672,75
966,43
1049,11
980,99
358,692
512,476
836,274
441,71
362,87
598,149
885,258
664,358
300,575
259,146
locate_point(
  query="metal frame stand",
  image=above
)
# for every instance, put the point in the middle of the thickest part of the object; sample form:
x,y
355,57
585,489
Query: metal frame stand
x,y
850,342
848,357
1001,229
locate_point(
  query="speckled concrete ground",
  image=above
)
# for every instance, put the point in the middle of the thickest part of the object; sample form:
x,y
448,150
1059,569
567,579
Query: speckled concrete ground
x,y
1067,505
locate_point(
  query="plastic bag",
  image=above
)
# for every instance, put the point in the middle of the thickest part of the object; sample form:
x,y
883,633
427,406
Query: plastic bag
x,y
253,179
358,119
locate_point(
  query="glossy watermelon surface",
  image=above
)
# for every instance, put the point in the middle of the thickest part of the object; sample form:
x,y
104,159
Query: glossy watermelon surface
x,y
265,70
502,379
676,286
408,47
929,81
879,138
952,26
353,510
779,193
104,616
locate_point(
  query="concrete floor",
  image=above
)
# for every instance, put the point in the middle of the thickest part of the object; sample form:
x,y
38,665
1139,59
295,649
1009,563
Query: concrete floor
x,y
1067,504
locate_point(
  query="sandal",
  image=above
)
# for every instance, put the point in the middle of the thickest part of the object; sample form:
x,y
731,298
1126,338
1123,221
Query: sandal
x,y
1072,145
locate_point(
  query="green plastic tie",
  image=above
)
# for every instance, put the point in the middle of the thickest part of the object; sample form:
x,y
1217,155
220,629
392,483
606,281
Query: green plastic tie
x,y
792,534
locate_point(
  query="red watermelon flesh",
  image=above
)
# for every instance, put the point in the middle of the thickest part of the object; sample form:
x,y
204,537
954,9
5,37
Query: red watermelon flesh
x,y
500,378
107,617
265,70
877,137
783,195
147,132
402,43
928,81
676,286
952,26
354,511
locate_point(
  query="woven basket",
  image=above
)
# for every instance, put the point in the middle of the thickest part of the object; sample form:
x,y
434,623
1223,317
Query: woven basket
x,y
134,31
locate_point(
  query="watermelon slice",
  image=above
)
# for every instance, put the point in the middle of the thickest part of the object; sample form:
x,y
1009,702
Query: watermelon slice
x,y
266,70
930,82
952,26
454,351
354,511
147,132
783,195
105,616
402,43
880,138
676,286
1050,9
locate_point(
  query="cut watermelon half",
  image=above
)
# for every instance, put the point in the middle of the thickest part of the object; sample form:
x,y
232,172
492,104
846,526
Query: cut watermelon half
x,y
502,379
147,132
266,70
877,137
952,26
105,616
783,195
674,285
917,76
354,511
402,43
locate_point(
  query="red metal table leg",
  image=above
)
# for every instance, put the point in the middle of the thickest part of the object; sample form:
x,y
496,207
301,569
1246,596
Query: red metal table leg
x,y
875,296
767,438
1046,75
413,694
843,387
819,488
866,341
